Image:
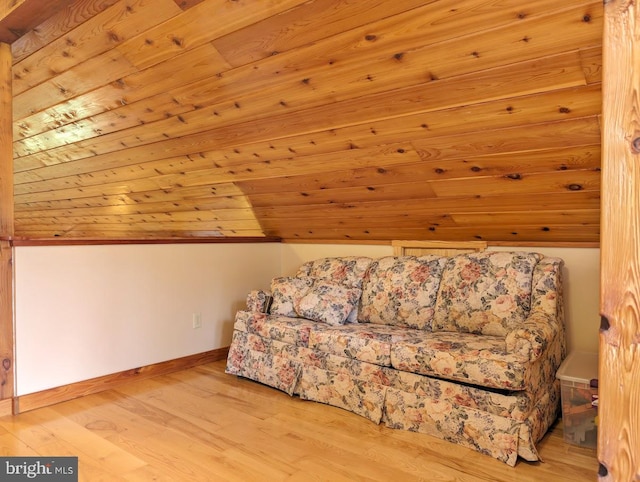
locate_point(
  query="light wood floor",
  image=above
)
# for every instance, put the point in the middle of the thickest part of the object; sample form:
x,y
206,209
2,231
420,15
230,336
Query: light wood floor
x,y
200,424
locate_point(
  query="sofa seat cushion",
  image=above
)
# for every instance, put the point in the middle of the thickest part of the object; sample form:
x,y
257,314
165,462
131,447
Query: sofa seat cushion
x,y
282,328
363,342
486,293
401,291
473,359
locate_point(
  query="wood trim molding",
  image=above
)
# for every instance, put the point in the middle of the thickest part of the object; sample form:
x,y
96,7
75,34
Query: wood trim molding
x,y
547,244
20,16
45,398
386,242
7,346
91,241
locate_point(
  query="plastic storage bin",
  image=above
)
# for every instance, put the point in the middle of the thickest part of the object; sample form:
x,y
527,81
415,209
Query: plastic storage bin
x,y
578,377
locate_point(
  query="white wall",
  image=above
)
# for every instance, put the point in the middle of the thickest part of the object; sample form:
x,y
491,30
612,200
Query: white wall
x,y
88,311
582,281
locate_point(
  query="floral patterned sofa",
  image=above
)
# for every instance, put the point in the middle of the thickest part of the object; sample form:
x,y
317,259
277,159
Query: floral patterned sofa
x,y
463,348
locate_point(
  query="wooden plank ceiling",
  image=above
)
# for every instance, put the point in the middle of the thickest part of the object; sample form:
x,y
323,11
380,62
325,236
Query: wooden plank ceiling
x,y
315,120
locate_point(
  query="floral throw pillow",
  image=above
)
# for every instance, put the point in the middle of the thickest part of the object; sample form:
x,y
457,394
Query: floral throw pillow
x,y
327,302
485,293
286,292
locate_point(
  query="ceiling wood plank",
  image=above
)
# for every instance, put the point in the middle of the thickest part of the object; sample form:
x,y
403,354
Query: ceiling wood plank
x,y
307,23
567,200
151,222
147,93
398,26
550,218
99,34
310,119
187,4
194,28
530,109
583,131
591,59
72,82
538,76
516,234
371,66
578,132
195,170
533,184
69,15
140,189
111,217
251,78
89,231
139,204
470,171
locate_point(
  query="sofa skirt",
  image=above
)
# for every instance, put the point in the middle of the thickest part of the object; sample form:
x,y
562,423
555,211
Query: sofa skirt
x,y
502,425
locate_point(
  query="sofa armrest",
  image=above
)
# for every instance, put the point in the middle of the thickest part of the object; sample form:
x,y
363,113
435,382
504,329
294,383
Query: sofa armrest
x,y
259,301
531,339
545,322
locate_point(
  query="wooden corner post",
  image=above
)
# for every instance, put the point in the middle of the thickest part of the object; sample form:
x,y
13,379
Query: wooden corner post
x,y
6,232
619,376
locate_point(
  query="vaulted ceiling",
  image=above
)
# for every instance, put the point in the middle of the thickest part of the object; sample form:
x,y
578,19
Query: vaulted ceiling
x,y
317,120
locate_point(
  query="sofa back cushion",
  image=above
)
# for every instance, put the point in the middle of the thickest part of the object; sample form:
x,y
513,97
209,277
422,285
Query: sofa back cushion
x,y
347,270
401,291
485,293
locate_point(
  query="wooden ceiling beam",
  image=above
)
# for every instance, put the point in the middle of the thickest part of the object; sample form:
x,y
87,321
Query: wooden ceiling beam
x,y
19,16
69,16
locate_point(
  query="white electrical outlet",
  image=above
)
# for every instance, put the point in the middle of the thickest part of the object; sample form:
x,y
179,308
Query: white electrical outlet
x,y
197,320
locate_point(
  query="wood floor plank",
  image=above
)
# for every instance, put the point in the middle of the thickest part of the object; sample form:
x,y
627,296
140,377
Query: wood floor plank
x,y
201,424
10,445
